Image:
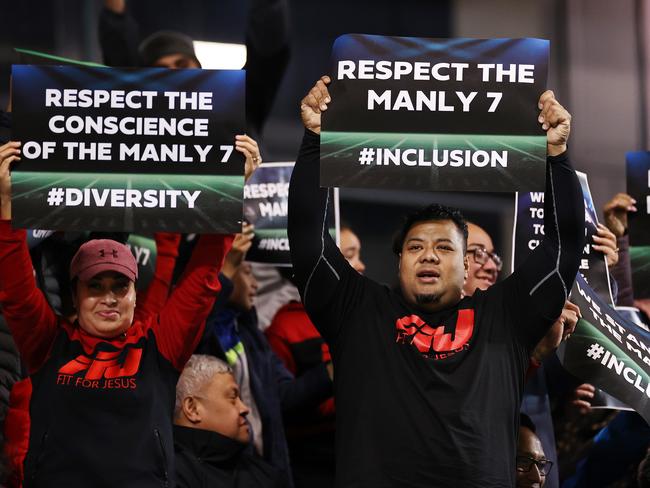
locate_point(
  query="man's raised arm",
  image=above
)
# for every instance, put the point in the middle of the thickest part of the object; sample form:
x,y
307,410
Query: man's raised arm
x,y
540,286
318,265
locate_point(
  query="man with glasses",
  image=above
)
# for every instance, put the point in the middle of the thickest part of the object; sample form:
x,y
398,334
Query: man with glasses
x,y
484,263
532,465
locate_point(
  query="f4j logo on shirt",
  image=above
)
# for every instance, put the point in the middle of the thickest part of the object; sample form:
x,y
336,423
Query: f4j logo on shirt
x,y
433,342
105,364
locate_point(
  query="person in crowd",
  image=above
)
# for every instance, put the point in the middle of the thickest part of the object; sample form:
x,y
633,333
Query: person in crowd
x,y
267,51
211,432
484,267
267,387
428,384
622,443
275,289
292,335
532,465
614,241
615,212
296,341
100,389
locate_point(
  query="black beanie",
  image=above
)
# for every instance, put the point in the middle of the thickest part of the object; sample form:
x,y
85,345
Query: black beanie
x,y
164,43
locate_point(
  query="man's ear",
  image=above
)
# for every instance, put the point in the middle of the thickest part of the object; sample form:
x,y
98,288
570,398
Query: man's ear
x,y
191,409
466,265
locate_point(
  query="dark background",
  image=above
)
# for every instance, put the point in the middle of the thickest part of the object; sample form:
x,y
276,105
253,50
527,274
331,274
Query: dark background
x,y
69,28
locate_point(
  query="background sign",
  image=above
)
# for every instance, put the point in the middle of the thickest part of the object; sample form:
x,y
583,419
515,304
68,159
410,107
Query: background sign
x,y
266,196
435,114
128,149
608,351
529,230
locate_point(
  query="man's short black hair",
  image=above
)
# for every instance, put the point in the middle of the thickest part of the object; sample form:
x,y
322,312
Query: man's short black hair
x,y
433,212
526,421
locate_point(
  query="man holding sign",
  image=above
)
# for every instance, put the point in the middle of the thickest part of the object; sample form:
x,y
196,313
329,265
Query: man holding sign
x,y
428,385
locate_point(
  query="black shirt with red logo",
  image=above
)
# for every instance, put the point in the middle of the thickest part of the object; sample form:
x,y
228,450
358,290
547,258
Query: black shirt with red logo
x,y
430,400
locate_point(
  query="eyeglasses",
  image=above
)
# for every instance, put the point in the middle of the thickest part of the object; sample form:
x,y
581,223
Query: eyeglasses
x,y
481,256
525,464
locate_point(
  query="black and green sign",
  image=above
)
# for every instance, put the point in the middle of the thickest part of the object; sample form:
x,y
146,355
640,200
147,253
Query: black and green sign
x,y
128,149
266,198
435,114
609,351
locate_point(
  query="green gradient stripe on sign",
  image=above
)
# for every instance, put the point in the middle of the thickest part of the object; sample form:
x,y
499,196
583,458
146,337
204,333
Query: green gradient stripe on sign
x,y
217,208
342,157
588,331
579,360
270,233
533,147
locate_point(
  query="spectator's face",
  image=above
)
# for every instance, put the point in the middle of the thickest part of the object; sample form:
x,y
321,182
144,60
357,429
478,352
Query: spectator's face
x,y
220,409
529,447
481,276
244,288
432,265
351,250
105,304
176,61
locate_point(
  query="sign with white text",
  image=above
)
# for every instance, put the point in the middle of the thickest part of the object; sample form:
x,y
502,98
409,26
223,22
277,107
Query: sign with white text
x,y
435,114
128,149
608,351
266,200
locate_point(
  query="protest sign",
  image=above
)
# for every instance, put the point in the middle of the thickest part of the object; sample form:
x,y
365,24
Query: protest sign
x,y
638,187
266,197
608,351
529,230
593,264
435,114
128,149
602,399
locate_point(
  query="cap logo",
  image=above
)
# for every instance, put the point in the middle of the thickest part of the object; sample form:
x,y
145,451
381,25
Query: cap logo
x,y
103,254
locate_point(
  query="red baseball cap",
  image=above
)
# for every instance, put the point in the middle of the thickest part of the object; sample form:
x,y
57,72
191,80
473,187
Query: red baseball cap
x,y
99,255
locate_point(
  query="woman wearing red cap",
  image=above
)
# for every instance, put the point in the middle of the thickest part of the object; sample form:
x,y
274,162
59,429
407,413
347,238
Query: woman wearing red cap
x,y
97,405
